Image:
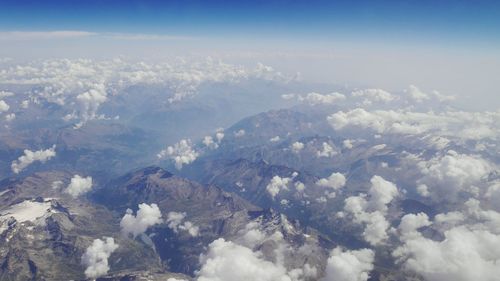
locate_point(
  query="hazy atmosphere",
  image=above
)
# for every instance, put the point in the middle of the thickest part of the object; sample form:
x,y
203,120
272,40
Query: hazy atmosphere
x,y
253,140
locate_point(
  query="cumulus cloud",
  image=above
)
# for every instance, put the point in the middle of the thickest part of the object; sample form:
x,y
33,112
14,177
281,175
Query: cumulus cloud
x,y
373,95
446,175
79,185
31,156
5,94
347,143
416,94
459,124
462,255
349,265
316,98
89,103
175,221
227,261
96,257
239,133
182,153
371,211
213,143
10,117
326,151
208,141
276,184
296,147
147,216
81,86
3,106
334,181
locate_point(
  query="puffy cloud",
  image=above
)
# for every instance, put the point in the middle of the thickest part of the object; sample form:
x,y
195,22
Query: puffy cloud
x,y
31,156
373,95
79,185
96,257
175,221
208,141
10,117
89,103
462,255
5,94
452,172
416,94
347,143
335,181
316,98
276,184
410,223
147,216
275,139
493,195
296,147
82,85
299,186
349,265
327,151
239,133
181,153
371,212
381,193
227,261
3,106
465,125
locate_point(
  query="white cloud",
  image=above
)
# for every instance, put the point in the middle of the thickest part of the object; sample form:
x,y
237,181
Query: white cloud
x,y
452,172
276,184
81,86
208,141
239,133
175,221
327,151
371,212
212,143
5,94
373,95
181,153
31,156
416,94
96,257
79,185
147,216
462,255
3,106
349,265
227,261
10,117
89,103
347,143
381,193
410,223
459,124
334,181
275,139
296,147
316,98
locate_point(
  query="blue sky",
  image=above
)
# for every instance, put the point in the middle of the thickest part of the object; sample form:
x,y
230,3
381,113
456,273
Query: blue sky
x,y
450,46
416,20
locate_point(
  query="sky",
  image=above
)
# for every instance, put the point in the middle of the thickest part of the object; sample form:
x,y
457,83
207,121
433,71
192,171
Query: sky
x,y
420,19
452,46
